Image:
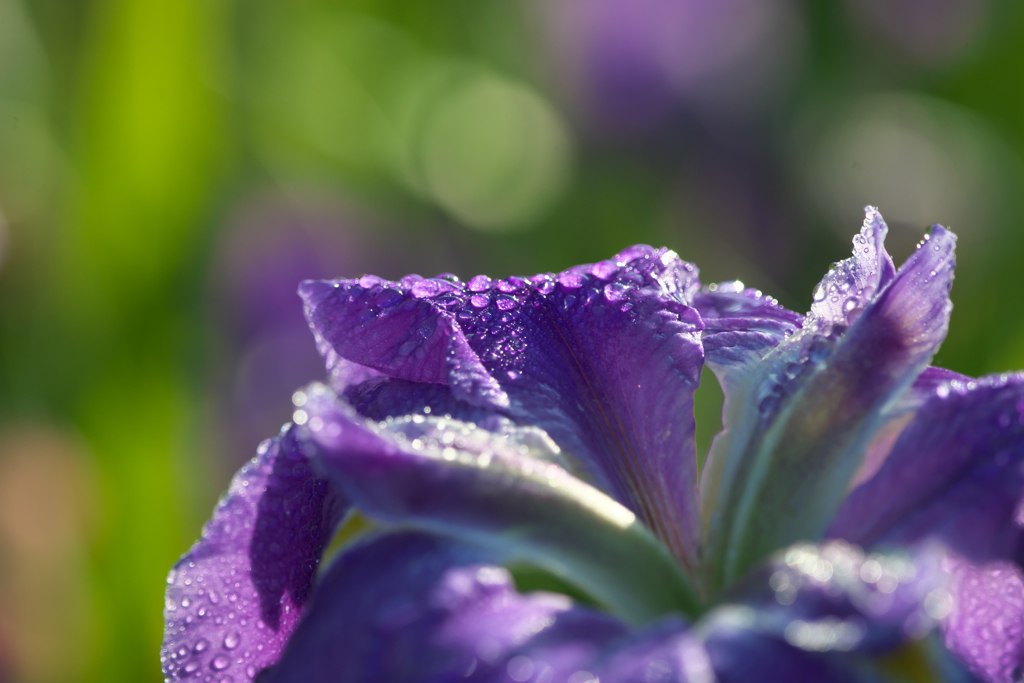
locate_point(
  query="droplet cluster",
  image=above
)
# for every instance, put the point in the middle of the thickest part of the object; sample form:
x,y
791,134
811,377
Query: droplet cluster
x,y
879,593
215,625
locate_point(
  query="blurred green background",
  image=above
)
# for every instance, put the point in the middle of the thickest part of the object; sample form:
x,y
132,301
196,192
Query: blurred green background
x,y
170,169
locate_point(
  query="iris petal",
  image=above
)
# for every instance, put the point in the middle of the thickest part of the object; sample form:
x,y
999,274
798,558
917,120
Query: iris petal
x,y
986,626
412,607
234,599
503,490
798,423
817,612
604,358
954,473
408,607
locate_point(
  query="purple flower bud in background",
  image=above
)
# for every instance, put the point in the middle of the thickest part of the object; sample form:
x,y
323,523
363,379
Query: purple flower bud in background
x,y
927,32
857,503
631,64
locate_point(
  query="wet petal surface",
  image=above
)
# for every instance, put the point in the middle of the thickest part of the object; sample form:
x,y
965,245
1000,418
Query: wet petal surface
x,y
953,473
503,489
798,423
234,599
986,626
603,357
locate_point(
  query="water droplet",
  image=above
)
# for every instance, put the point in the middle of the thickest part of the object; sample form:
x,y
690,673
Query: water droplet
x,y
220,662
185,601
546,287
520,668
200,645
425,289
191,666
509,285
570,280
819,293
605,270
478,301
480,283
232,640
506,303
370,281
615,291
389,297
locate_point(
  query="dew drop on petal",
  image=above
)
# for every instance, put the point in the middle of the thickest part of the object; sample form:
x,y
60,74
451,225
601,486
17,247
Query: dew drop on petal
x,y
232,640
389,297
605,270
480,283
570,280
478,301
220,662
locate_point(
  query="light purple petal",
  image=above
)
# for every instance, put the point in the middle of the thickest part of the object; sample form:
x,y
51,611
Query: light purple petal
x,y
503,489
954,473
233,600
850,286
604,357
985,629
798,423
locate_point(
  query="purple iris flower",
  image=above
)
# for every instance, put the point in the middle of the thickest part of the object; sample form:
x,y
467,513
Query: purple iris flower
x,y
858,502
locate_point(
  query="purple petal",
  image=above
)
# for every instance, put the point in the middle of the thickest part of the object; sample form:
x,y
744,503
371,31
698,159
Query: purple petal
x,y
382,397
897,415
851,285
412,607
798,423
813,612
985,629
501,488
835,597
953,473
739,655
233,600
409,607
741,327
605,358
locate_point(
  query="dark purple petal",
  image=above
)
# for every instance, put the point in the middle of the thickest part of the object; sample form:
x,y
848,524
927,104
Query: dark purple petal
x,y
741,327
798,423
739,655
503,489
233,600
985,629
816,613
603,357
835,597
953,473
410,607
382,397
